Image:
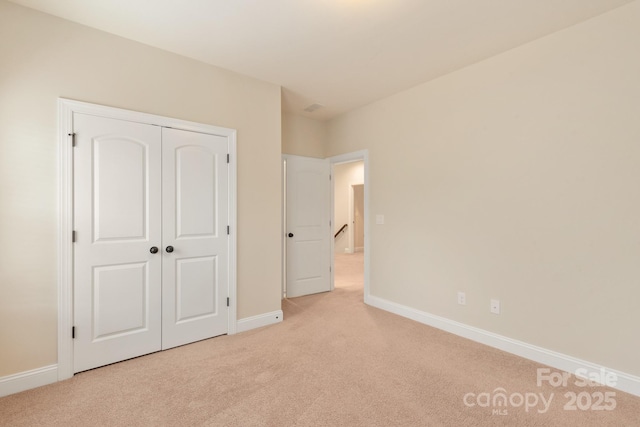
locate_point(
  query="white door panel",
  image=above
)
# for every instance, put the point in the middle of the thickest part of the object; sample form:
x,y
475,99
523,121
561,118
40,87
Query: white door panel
x,y
119,300
126,219
195,188
308,230
195,194
117,292
195,295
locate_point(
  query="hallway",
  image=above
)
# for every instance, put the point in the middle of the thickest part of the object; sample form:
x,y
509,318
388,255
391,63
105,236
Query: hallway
x,y
349,270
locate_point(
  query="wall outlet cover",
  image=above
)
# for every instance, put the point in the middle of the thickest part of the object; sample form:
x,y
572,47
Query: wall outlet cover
x,y
495,306
462,298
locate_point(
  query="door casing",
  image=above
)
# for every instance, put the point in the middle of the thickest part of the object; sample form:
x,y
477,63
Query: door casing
x,y
66,109
353,218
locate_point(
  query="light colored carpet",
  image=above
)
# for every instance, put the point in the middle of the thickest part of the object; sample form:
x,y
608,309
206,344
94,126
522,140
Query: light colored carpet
x,y
349,270
333,362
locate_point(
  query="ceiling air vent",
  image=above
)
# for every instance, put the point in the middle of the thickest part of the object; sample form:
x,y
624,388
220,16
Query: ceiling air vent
x,y
313,107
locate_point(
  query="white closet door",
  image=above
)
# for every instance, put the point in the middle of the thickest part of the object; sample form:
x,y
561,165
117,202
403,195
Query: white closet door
x,y
195,241
117,218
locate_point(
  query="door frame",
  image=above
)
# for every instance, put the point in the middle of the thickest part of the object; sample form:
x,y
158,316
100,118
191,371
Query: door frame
x,y
352,216
348,158
66,109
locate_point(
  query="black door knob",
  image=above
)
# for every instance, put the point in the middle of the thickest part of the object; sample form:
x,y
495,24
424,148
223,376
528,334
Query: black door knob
x,y
169,249
153,250
290,234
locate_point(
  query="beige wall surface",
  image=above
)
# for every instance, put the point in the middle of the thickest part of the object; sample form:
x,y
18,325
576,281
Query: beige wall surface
x,y
517,179
44,58
302,136
344,176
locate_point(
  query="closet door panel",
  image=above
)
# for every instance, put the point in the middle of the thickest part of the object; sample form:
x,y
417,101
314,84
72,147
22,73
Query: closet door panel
x,y
117,220
195,240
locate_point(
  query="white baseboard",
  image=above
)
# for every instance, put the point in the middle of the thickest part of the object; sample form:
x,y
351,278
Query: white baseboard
x,y
259,321
625,382
29,379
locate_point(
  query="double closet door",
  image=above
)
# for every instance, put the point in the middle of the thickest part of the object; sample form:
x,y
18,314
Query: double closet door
x,y
151,249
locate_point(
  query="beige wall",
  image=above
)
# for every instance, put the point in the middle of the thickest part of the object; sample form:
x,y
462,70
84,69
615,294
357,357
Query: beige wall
x,y
44,58
344,176
302,136
516,178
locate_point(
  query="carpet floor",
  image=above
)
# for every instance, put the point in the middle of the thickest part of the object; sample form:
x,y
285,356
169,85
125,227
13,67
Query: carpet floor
x,y
333,361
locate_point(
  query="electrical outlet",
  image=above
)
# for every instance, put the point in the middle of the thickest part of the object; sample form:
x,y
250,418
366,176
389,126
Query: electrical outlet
x,y
495,306
462,298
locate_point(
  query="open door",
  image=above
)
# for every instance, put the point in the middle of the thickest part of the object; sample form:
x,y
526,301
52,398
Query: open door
x,y
308,228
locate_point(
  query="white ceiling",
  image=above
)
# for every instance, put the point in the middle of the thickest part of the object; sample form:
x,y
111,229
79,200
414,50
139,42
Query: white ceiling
x,y
339,53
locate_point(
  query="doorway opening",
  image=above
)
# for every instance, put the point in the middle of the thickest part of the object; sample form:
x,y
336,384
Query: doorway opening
x,y
311,229
349,224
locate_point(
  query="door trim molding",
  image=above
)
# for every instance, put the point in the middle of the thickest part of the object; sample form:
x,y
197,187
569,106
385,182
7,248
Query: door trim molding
x,y
66,108
351,230
347,158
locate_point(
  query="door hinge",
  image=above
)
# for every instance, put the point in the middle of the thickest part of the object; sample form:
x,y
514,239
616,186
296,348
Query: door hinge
x,y
227,301
73,332
228,230
73,139
228,158
73,236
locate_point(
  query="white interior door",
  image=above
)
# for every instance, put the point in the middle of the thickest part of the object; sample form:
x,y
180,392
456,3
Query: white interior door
x,y
117,218
195,240
308,227
151,258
